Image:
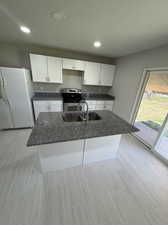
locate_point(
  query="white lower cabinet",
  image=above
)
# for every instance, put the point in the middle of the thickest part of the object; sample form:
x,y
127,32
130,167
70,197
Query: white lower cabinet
x,y
101,148
100,105
64,155
57,106
108,105
47,106
91,105
59,156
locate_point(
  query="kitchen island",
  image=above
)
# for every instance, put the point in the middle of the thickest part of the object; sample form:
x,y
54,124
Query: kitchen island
x,y
64,144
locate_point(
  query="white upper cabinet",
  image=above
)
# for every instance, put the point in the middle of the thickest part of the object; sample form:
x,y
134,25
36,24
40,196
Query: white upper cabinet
x,y
107,74
92,73
46,68
49,69
98,74
72,64
54,69
39,68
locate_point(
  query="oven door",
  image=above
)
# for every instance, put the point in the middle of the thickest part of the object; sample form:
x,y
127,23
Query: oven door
x,y
68,107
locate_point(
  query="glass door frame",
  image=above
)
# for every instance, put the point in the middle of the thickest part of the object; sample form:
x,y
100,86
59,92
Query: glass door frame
x,y
139,96
160,135
138,99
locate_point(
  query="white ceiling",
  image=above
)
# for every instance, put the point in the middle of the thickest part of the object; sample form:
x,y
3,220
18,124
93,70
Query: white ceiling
x,y
123,26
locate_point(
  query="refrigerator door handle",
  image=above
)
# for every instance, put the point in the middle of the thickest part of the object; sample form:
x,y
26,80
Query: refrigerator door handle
x,y
3,81
3,92
2,87
5,98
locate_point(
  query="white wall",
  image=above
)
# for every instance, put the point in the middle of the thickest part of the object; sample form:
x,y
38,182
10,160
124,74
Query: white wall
x,y
128,74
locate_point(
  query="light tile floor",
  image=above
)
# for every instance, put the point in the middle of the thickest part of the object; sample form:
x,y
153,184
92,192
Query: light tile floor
x,y
130,190
149,135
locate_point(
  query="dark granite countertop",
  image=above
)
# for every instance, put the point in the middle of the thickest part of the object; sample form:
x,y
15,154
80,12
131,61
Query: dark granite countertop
x,y
41,96
50,128
101,97
57,96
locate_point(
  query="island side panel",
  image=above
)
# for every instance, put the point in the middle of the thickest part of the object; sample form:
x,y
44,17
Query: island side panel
x,y
62,155
101,148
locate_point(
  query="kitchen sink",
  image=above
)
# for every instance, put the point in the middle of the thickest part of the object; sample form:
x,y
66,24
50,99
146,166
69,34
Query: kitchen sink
x,y
78,116
93,116
72,117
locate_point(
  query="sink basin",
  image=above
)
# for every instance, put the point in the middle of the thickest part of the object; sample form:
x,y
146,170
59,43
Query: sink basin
x,y
93,116
78,116
72,117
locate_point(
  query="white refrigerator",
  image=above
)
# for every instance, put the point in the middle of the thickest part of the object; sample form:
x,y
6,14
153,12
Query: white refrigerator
x,y
15,98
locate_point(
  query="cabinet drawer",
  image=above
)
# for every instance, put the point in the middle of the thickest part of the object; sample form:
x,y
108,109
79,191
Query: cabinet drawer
x,y
92,107
56,103
91,102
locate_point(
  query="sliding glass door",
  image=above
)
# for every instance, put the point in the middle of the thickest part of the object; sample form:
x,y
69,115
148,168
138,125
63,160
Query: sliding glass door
x,y
153,108
161,144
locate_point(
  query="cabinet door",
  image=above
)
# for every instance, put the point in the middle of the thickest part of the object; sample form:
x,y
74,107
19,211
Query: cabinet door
x,y
79,65
92,73
101,148
62,155
41,106
39,68
107,74
56,106
108,105
54,69
72,64
99,105
91,105
68,64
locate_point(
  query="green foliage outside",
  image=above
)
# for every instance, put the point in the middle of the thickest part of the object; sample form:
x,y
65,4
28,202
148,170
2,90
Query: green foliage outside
x,y
153,108
153,111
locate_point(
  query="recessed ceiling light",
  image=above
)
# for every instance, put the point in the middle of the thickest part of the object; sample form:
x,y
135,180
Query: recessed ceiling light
x,y
97,44
25,29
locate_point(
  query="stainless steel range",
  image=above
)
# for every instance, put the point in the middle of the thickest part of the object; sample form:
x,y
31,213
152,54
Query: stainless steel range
x,y
71,99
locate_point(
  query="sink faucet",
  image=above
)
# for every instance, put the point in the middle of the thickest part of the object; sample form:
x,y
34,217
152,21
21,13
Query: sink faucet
x,y
84,112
